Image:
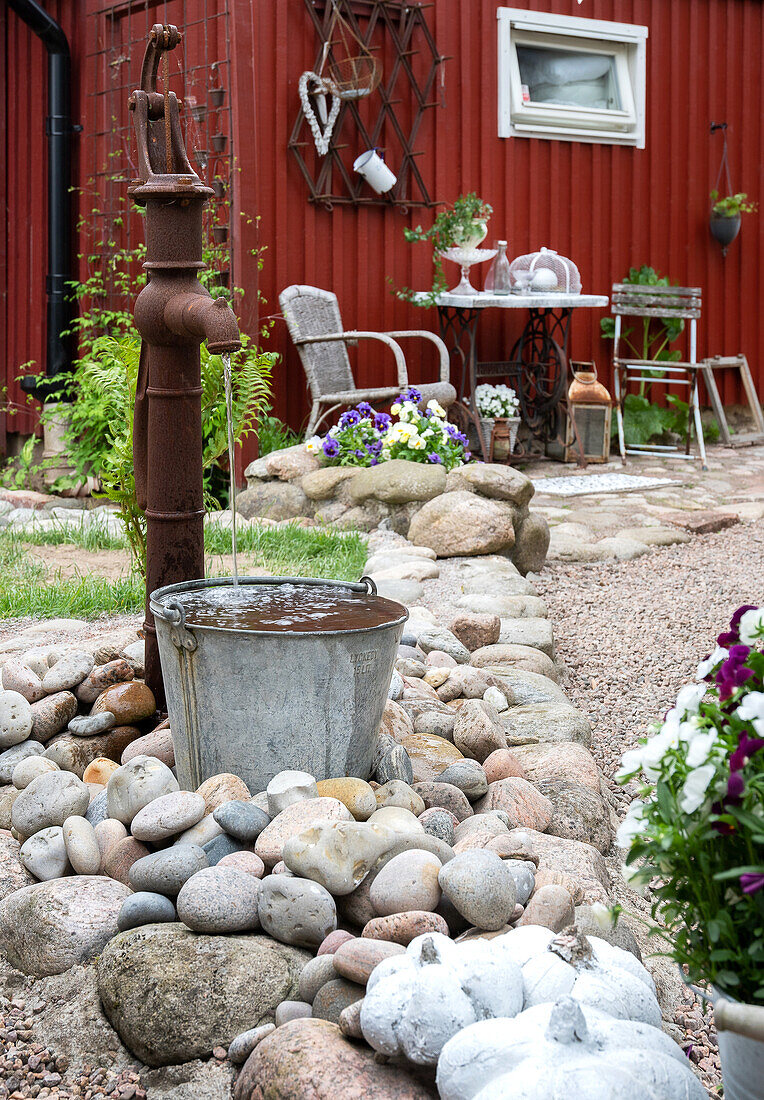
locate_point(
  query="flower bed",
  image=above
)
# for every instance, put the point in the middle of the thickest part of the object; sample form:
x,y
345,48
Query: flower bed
x,y
696,832
363,437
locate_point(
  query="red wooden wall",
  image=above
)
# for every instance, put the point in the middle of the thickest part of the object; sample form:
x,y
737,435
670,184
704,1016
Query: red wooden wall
x,y
606,207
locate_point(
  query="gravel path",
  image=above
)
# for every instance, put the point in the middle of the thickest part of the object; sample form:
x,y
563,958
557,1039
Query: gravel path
x,y
631,634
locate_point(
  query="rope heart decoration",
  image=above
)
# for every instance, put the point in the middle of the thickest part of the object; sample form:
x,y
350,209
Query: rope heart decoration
x,y
311,84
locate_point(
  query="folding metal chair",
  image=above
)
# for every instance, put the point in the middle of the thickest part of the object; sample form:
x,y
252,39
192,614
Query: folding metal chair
x,y
666,303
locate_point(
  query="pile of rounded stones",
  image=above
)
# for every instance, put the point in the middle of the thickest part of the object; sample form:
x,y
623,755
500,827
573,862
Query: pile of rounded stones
x,y
480,508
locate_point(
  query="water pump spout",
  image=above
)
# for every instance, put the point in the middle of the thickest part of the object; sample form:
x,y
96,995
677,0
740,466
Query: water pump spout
x,y
197,316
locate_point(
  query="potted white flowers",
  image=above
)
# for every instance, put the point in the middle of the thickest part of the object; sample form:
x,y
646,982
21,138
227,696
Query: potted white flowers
x,y
499,410
695,835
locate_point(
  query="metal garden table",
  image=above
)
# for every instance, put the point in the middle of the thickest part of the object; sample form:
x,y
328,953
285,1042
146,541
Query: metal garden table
x,y
538,364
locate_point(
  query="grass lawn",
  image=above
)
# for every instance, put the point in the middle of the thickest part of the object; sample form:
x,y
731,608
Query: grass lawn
x,y
27,587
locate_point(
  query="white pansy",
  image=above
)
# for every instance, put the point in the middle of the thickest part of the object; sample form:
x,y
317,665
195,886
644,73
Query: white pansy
x,y
632,878
314,444
417,443
631,762
751,710
632,825
654,752
689,698
700,748
436,408
751,627
496,401
396,408
719,654
408,412
689,728
695,788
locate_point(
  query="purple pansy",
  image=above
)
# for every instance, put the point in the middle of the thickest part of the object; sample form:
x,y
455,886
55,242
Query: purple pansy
x,y
732,673
733,634
382,422
352,416
331,448
751,883
365,409
747,746
432,457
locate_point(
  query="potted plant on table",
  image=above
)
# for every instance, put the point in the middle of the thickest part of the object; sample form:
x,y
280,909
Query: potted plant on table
x,y
726,216
499,410
696,837
464,225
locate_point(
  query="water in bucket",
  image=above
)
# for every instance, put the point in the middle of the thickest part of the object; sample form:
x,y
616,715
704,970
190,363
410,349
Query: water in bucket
x,y
231,459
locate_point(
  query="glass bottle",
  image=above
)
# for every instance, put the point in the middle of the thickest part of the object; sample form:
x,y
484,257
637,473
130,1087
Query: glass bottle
x,y
499,279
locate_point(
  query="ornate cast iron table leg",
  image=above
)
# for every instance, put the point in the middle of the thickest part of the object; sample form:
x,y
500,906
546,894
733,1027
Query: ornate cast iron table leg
x,y
458,330
540,362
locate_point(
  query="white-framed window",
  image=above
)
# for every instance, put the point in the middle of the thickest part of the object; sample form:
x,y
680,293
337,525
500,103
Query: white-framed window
x,y
571,79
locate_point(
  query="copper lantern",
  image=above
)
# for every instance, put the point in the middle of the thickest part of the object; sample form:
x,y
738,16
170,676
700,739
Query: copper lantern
x,y
590,409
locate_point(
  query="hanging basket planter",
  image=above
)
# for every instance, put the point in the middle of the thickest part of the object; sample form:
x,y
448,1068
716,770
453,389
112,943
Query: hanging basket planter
x,y
201,157
218,187
352,72
724,229
218,142
220,233
217,96
198,112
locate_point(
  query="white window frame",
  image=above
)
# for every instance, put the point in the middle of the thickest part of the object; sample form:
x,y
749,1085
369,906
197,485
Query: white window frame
x,y
626,42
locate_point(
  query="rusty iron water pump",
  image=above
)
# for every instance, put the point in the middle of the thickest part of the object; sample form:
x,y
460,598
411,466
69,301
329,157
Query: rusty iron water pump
x,y
174,313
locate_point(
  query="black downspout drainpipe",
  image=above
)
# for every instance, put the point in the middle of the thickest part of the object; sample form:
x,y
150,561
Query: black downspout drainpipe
x,y
59,130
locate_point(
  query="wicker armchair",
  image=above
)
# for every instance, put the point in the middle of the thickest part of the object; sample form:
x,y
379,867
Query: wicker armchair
x,y
315,325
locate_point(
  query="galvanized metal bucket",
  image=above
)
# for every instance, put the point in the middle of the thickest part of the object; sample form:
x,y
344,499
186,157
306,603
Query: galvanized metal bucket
x,y
740,1032
257,702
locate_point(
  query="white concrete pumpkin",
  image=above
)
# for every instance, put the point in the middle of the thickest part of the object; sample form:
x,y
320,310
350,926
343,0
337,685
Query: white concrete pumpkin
x,y
416,1002
564,1050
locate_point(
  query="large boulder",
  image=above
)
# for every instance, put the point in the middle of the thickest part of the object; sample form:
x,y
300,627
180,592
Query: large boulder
x,y
492,480
463,523
13,874
539,722
312,1059
173,995
398,482
531,543
322,484
273,500
50,926
291,462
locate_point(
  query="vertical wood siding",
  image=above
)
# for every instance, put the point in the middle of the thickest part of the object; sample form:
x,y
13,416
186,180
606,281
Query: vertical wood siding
x,y
607,207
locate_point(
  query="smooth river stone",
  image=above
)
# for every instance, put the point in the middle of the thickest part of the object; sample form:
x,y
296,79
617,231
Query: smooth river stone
x,y
241,820
503,764
395,764
167,815
430,755
8,796
402,928
291,1010
224,787
314,974
99,771
16,719
409,881
439,823
400,820
525,805
82,846
90,725
337,854
397,793
289,787
219,899
75,753
67,673
49,800
44,854
145,908
243,1045
356,959
468,776
165,872
135,785
157,743
29,768
445,796
333,998
296,817
202,833
18,676
479,887
296,910
331,942
524,875
356,794
52,714
247,862
221,846
108,833
13,756
98,810
121,857
102,677
129,703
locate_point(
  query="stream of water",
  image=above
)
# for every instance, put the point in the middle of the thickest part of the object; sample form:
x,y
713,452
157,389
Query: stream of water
x,y
231,461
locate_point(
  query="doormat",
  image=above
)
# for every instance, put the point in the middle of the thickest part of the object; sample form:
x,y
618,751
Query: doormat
x,y
599,483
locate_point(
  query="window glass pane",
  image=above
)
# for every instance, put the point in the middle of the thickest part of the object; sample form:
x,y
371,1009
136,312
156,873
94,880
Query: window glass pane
x,y
569,77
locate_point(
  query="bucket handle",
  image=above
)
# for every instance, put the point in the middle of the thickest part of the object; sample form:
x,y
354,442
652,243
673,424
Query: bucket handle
x,y
742,1019
174,613
371,587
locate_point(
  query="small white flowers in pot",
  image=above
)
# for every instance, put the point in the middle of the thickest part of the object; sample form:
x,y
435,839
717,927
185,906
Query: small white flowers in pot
x,y
496,402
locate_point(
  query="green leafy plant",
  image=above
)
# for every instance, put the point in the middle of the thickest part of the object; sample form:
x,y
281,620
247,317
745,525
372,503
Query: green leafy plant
x,y
456,225
731,206
100,433
695,834
273,434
